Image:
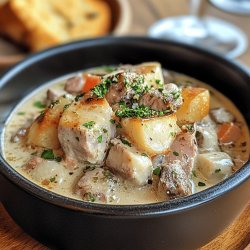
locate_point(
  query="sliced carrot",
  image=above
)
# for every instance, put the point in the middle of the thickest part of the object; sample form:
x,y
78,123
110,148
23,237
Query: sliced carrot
x,y
90,82
228,132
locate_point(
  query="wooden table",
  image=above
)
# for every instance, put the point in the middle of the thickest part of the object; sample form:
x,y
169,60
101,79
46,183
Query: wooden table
x,y
144,13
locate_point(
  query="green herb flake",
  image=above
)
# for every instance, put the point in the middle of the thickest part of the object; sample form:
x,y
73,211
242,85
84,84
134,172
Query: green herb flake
x,y
158,81
101,89
119,125
90,197
125,142
78,97
217,170
201,184
39,104
112,121
173,134
52,179
99,139
89,124
175,153
66,106
194,173
48,154
21,113
144,154
140,111
105,130
157,171
58,158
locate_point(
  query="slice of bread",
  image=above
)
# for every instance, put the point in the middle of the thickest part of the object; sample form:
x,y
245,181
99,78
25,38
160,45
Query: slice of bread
x,y
49,22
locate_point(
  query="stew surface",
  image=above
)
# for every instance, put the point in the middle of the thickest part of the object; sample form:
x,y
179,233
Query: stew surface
x,y
126,135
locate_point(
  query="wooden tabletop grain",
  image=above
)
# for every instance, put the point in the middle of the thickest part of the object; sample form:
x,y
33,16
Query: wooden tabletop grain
x,y
144,14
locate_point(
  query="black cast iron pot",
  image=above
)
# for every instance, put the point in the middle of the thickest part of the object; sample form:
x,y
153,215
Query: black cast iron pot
x,y
185,223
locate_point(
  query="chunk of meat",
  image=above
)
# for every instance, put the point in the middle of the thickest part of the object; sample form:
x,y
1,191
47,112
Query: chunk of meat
x,y
174,181
117,90
206,135
184,149
128,162
221,115
215,166
97,185
53,94
74,84
85,130
33,163
177,167
168,98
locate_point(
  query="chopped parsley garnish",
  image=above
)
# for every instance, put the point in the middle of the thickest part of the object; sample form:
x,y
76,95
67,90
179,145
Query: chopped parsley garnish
x,y
173,134
190,127
119,125
158,81
99,138
217,170
90,197
140,111
53,104
125,142
175,153
176,95
144,154
21,113
112,121
194,173
66,106
52,179
39,105
79,96
48,154
201,184
105,130
58,158
89,124
101,89
157,171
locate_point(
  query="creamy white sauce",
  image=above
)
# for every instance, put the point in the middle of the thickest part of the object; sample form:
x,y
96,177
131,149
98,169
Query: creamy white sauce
x,y
17,154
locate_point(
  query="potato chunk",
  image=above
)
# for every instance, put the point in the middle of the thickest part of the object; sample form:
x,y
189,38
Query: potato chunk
x,y
195,105
128,162
152,72
154,135
214,165
43,131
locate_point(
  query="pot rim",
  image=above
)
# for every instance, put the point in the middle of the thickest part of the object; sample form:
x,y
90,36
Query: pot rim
x,y
139,211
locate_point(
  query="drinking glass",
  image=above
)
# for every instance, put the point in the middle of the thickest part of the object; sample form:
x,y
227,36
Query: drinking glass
x,y
203,31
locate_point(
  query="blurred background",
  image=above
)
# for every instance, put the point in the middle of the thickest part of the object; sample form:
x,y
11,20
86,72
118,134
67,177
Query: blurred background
x,y
27,26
